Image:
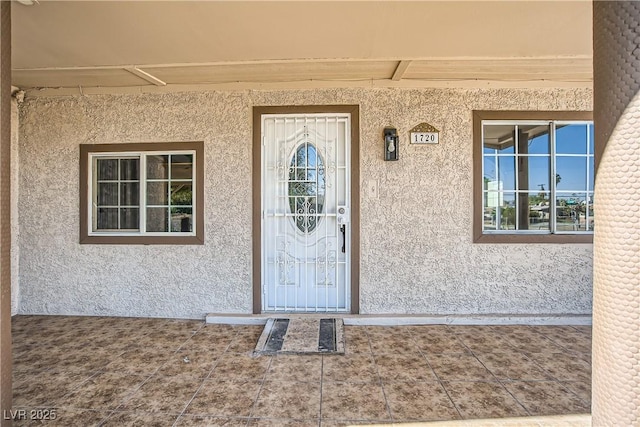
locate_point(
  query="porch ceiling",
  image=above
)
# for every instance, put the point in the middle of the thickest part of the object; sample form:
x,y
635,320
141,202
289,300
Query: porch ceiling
x,y
115,44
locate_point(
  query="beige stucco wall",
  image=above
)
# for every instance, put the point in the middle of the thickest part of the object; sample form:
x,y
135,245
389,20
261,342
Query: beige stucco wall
x,y
417,250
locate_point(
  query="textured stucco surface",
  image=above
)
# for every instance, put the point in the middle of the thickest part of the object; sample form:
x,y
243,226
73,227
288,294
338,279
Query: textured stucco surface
x,y
416,236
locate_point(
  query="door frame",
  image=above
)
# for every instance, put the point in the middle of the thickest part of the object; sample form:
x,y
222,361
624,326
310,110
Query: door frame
x,y
258,111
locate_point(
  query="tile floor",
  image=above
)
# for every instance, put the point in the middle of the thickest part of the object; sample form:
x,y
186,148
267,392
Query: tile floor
x,y
156,372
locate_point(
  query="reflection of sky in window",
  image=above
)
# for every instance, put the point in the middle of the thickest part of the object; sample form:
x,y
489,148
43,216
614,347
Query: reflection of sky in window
x,y
539,172
573,173
539,144
505,173
570,139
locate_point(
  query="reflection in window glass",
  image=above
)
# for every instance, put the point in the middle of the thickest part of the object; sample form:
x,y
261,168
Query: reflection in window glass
x,y
129,218
107,169
306,187
538,171
499,139
507,172
571,139
181,166
572,212
181,219
157,193
534,139
116,194
157,167
545,184
157,219
539,210
167,182
571,173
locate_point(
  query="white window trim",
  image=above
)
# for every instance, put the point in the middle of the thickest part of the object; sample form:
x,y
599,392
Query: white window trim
x,y
142,155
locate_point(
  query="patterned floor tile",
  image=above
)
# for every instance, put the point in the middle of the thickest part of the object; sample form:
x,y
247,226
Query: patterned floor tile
x,y
162,394
225,398
458,367
419,401
240,366
306,368
280,399
483,400
350,367
85,367
546,398
512,366
403,367
103,391
118,419
353,401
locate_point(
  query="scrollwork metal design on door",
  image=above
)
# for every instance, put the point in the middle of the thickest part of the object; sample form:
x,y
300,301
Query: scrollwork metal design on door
x,y
306,187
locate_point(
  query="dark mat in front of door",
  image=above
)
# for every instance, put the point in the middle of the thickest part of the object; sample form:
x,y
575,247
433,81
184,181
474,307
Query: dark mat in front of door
x,y
300,335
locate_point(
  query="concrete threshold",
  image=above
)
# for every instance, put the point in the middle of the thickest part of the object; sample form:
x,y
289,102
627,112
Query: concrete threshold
x,y
408,319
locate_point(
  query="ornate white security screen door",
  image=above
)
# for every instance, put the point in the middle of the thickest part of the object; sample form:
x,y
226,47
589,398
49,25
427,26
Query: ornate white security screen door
x,y
305,212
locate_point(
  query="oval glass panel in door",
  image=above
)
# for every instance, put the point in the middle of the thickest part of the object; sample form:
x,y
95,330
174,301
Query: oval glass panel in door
x,y
306,187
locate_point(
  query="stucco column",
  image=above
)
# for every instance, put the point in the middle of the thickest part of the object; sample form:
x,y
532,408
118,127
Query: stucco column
x,y
5,211
616,295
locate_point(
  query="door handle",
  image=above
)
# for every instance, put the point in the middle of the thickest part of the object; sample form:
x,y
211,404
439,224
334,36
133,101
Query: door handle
x,y
343,228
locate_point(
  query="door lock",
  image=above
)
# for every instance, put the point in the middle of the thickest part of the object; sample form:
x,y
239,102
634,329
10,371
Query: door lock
x,y
342,215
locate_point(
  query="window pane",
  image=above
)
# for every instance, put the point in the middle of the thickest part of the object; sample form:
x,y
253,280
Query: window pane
x,y
539,211
181,166
536,170
107,169
489,220
507,172
534,139
181,194
570,212
499,138
181,220
129,169
157,219
490,173
107,194
129,218
571,139
591,174
157,193
506,212
129,194
493,198
590,221
107,219
157,167
571,173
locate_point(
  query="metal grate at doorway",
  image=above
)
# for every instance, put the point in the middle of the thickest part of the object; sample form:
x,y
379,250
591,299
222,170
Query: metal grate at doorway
x,y
302,336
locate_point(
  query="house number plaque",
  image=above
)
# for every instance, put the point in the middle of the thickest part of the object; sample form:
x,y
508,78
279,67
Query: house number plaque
x,y
424,133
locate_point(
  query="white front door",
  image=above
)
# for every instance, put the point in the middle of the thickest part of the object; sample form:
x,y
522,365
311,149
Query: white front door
x,y
305,212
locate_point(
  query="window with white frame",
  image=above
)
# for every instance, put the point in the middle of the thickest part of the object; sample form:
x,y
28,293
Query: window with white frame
x,y
143,194
537,177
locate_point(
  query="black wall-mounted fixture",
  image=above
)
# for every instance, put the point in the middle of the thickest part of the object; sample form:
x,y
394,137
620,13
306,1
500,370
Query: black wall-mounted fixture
x,y
391,143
